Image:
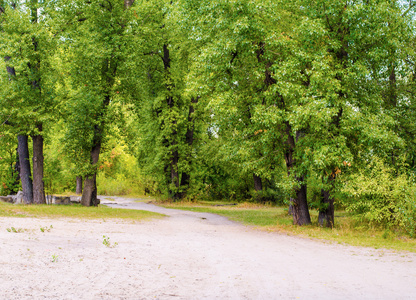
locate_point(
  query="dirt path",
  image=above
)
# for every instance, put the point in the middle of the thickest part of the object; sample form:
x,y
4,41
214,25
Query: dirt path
x,y
189,256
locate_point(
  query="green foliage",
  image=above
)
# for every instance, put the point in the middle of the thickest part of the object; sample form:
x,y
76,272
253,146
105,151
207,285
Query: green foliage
x,y
377,193
9,181
107,243
170,114
14,230
54,258
46,228
407,209
58,168
26,98
122,183
194,99
118,171
97,52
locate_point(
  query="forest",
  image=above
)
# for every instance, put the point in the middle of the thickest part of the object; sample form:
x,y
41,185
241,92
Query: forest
x,y
305,104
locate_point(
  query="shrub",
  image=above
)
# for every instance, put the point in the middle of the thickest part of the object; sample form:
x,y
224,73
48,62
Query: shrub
x,y
408,211
380,194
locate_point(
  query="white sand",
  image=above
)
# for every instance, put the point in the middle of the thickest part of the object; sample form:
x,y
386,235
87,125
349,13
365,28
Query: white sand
x,y
189,256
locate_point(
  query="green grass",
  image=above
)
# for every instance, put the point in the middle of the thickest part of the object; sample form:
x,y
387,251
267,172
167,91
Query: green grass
x,y
347,230
74,211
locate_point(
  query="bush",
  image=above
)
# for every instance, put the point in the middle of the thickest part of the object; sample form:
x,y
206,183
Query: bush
x,y
408,211
380,195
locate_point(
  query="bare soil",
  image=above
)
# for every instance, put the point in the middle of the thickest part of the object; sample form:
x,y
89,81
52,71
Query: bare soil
x,y
188,255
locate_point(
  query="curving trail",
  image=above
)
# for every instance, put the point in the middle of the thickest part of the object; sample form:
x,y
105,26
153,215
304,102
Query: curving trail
x,y
189,255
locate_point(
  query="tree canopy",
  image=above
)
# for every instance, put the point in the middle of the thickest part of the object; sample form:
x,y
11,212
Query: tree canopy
x,y
291,102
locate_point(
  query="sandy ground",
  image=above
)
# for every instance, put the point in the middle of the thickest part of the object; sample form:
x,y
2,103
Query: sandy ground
x,y
189,256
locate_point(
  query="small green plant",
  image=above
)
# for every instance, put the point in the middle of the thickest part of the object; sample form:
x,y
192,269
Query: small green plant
x,y
107,243
54,258
12,229
46,229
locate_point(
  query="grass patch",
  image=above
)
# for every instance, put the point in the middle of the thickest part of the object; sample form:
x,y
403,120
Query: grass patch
x,y
271,218
74,211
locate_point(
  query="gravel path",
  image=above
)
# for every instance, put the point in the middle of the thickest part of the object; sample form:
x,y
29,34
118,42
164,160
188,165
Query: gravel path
x,y
189,255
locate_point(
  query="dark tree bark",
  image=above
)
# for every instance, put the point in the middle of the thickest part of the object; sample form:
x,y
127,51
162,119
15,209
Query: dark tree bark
x,y
300,211
37,159
38,185
299,205
89,194
25,174
10,70
109,73
174,174
258,185
79,185
326,214
174,159
185,178
392,97
268,81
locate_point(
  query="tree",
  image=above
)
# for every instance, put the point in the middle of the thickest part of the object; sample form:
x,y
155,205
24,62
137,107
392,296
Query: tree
x,y
243,53
359,53
169,108
27,47
97,44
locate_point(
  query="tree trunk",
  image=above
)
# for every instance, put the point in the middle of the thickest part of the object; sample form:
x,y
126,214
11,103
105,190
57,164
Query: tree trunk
x,y
173,164
38,185
174,174
326,213
185,178
258,185
25,174
89,194
300,210
79,185
299,205
10,70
